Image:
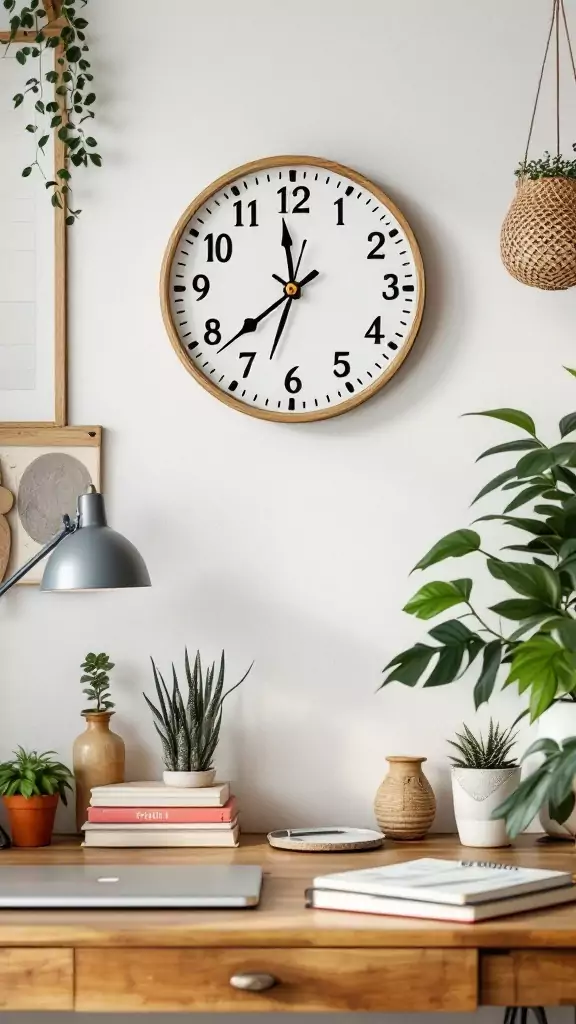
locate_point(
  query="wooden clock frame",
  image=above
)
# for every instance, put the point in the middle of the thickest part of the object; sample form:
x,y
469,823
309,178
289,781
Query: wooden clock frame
x,y
227,179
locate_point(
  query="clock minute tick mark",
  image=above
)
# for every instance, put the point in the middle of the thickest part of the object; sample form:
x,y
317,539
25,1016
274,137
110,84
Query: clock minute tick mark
x,y
194,232
235,190
349,190
291,405
292,175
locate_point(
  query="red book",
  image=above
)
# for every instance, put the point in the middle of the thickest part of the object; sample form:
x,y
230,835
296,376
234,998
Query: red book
x,y
157,815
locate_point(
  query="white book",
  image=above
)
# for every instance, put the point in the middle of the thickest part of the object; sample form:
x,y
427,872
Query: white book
x,y
326,899
160,837
161,826
156,794
444,881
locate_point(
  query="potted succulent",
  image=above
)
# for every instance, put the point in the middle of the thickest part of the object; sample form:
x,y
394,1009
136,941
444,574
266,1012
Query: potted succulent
x,y
483,775
31,785
190,731
528,639
537,237
98,754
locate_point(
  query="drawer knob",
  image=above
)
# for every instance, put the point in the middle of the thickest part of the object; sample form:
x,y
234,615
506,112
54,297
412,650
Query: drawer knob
x,y
253,982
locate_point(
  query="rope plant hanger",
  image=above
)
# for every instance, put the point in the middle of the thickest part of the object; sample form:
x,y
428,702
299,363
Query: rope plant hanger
x,y
538,238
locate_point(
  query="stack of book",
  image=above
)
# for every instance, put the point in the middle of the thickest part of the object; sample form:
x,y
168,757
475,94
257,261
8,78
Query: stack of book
x,y
152,814
443,890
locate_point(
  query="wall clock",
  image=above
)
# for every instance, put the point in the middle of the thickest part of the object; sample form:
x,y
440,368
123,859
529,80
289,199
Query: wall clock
x,y
292,288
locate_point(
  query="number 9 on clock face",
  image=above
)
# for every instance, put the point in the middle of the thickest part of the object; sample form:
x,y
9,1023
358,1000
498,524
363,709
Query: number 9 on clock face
x,y
292,289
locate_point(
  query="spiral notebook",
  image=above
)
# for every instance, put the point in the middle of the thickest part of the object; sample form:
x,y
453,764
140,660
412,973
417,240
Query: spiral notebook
x,y
456,883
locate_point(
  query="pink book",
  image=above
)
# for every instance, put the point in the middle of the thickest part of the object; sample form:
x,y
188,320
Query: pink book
x,y
157,815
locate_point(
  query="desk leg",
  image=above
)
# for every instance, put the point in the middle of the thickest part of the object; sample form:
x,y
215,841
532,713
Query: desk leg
x,y
511,1013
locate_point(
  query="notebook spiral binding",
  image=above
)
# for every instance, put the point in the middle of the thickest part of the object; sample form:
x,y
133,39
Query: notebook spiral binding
x,y
487,864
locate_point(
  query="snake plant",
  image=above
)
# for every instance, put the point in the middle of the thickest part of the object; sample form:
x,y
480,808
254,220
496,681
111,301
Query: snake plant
x,y
190,730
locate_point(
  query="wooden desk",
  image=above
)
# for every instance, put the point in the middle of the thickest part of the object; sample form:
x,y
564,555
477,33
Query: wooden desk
x,y
183,960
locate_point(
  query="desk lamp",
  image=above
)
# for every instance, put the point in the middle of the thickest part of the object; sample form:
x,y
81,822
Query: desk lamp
x,y
90,555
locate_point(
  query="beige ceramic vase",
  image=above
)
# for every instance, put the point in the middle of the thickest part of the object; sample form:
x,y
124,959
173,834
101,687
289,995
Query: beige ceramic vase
x,y
405,804
98,757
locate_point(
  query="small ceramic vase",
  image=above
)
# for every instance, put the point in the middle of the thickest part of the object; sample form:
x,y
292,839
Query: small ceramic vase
x,y
98,757
477,793
405,804
189,780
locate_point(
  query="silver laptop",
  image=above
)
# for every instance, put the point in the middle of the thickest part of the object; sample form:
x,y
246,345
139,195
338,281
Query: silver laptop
x,y
130,885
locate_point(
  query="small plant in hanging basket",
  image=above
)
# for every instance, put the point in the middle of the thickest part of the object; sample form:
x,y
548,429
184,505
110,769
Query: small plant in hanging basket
x,y
538,236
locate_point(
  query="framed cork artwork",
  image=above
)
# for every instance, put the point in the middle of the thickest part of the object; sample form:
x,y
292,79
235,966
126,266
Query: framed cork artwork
x,y
42,472
32,263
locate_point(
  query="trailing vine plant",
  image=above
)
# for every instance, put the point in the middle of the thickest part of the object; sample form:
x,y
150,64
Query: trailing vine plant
x,y
71,105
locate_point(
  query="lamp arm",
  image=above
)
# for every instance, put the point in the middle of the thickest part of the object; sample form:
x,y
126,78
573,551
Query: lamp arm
x,y
67,528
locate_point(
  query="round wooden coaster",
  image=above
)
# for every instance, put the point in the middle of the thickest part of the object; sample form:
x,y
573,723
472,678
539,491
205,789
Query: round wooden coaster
x,y
326,839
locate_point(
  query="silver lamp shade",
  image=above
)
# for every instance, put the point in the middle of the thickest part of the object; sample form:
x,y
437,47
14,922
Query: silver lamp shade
x,y
94,557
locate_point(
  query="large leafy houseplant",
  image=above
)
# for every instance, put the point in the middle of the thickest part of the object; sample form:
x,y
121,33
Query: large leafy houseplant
x,y
531,632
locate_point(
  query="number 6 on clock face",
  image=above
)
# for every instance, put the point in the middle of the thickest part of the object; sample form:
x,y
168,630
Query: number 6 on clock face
x,y
292,288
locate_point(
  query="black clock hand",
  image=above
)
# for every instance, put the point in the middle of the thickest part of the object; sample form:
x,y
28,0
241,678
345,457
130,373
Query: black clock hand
x,y
295,278
281,326
287,246
251,323
309,277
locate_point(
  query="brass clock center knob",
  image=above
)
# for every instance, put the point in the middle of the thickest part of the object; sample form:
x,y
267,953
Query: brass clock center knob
x,y
292,289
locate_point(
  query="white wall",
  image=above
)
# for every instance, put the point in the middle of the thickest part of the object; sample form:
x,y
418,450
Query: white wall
x,y
292,544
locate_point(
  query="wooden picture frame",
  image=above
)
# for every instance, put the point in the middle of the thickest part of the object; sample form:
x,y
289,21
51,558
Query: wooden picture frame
x,y
60,268
81,444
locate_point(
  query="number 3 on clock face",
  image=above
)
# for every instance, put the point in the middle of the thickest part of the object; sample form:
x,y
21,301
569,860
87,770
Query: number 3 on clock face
x,y
292,288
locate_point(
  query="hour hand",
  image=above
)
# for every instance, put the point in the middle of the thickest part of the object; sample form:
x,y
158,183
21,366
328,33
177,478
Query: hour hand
x,y
251,323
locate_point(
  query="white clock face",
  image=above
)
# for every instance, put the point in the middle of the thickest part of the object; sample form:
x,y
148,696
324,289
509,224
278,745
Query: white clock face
x,y
293,291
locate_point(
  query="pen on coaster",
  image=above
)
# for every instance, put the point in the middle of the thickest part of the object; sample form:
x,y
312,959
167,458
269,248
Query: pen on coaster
x,y
295,833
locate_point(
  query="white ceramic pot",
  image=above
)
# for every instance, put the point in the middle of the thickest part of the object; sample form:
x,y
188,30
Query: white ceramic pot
x,y
189,780
558,723
477,793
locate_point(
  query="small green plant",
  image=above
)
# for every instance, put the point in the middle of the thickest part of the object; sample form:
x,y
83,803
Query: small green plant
x,y
32,774
190,732
547,167
96,668
479,753
63,93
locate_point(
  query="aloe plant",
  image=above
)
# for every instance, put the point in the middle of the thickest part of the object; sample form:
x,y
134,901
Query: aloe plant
x,y
476,752
189,732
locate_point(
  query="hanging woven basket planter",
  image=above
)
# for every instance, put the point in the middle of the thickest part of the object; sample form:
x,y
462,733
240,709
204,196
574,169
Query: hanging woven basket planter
x,y
538,237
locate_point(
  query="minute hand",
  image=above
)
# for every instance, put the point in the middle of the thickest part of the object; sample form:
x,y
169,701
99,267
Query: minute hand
x,y
251,323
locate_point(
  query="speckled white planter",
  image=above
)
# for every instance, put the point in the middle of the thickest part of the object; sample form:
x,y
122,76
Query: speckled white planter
x,y
189,780
477,793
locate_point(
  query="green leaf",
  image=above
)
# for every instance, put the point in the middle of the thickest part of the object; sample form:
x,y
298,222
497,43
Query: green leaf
x,y
447,667
514,416
42,142
96,159
18,99
496,482
408,666
535,581
536,462
20,57
570,370
528,494
518,609
26,172
491,658
523,805
522,445
543,666
567,424
436,597
453,545
452,632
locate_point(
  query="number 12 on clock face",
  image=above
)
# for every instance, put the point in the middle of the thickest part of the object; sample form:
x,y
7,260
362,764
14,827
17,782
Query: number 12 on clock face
x,y
292,289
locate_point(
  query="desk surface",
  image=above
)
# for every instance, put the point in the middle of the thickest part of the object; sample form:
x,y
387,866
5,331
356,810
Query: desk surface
x,y
282,920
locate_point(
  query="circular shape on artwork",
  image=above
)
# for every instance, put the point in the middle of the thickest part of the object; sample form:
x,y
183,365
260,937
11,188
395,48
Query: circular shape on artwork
x,y
48,490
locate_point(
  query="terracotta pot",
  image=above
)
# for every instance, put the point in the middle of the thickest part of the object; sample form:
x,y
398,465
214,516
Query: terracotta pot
x,y
98,757
405,804
31,819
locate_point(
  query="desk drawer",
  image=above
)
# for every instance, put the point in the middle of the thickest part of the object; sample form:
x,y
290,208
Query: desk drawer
x,y
305,979
528,977
36,979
